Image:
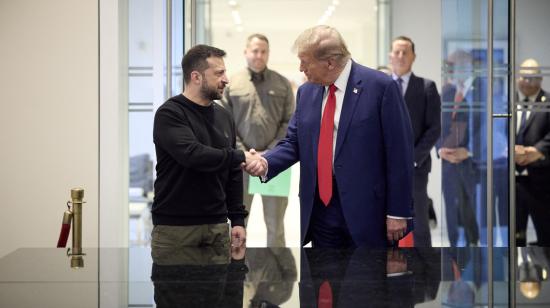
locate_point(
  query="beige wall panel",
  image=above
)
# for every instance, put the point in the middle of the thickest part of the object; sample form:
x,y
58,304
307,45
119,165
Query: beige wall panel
x,y
49,118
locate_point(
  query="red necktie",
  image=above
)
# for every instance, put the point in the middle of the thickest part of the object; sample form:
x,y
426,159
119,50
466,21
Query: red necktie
x,y
456,270
324,152
325,295
459,97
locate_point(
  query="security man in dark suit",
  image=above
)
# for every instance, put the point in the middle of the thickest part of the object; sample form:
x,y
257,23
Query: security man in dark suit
x,y
532,155
424,105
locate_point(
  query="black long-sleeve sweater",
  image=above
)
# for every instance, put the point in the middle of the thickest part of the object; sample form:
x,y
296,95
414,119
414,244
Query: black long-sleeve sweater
x,y
199,180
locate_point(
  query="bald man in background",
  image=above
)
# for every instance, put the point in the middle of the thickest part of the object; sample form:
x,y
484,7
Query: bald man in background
x,y
532,155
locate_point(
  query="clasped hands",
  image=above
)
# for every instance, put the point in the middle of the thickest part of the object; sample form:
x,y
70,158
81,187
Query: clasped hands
x,y
453,155
526,155
255,164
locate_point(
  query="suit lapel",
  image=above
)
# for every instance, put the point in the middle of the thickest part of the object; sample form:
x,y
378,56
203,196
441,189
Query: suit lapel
x,y
351,97
315,115
410,93
534,114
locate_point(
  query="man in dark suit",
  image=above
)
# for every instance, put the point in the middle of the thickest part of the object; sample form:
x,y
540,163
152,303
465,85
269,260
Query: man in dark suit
x,y
424,105
352,135
460,147
532,153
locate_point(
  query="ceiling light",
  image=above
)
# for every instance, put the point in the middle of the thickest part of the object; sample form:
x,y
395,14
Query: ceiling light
x,y
236,17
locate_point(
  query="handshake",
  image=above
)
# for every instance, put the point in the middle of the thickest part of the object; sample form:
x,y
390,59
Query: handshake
x,y
255,164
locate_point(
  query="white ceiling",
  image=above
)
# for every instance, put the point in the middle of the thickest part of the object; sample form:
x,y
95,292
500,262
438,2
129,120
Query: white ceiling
x,y
283,20
294,14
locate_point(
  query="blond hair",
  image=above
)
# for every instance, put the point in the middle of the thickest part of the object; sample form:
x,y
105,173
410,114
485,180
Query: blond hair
x,y
323,42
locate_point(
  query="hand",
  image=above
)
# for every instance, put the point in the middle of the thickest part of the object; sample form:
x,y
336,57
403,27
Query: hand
x,y
395,228
527,155
238,253
238,236
454,155
395,262
257,166
519,157
250,156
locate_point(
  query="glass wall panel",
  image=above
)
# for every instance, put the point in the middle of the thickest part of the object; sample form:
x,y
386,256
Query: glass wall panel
x,y
467,109
531,84
462,119
147,82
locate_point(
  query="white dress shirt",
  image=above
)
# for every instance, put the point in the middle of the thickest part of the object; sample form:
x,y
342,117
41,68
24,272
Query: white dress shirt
x,y
341,84
406,78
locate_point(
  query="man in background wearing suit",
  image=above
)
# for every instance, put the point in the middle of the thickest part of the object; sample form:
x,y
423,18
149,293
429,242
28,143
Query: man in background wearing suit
x,y
532,153
460,146
424,105
352,135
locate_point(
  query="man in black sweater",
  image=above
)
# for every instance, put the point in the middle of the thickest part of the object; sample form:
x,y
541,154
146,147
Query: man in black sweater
x,y
199,178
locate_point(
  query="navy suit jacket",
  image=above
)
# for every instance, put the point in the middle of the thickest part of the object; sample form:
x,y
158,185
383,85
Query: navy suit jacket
x,y
536,132
424,105
373,160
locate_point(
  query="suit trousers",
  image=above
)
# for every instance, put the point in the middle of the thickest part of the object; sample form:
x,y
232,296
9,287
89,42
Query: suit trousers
x,y
459,183
422,236
327,225
534,197
274,214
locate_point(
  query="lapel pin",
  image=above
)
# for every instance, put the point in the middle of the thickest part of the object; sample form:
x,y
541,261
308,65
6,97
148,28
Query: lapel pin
x,y
355,90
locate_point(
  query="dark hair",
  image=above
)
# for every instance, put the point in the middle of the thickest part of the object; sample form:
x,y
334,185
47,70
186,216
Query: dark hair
x,y
258,36
195,59
403,38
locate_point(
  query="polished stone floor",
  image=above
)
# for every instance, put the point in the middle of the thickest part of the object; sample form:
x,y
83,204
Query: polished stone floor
x,y
271,277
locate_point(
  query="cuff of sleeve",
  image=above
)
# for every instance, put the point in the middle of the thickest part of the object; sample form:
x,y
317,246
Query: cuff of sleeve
x,y
263,178
397,217
237,221
238,157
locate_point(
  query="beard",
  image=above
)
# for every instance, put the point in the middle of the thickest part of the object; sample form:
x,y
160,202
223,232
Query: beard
x,y
210,93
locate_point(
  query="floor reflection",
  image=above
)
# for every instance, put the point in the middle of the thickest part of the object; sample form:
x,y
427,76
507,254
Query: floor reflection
x,y
198,277
533,266
270,277
369,278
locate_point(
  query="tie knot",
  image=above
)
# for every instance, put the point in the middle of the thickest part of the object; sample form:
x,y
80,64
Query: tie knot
x,y
400,80
332,88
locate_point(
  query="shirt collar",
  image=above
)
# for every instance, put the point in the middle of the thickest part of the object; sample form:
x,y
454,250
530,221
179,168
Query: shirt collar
x,y
405,77
257,76
467,85
342,80
532,98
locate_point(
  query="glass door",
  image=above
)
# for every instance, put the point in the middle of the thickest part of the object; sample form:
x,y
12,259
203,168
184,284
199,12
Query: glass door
x,y
156,36
474,149
530,134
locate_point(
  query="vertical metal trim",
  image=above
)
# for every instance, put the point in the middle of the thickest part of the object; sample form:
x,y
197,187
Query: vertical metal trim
x,y
378,52
512,253
193,9
489,119
168,88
